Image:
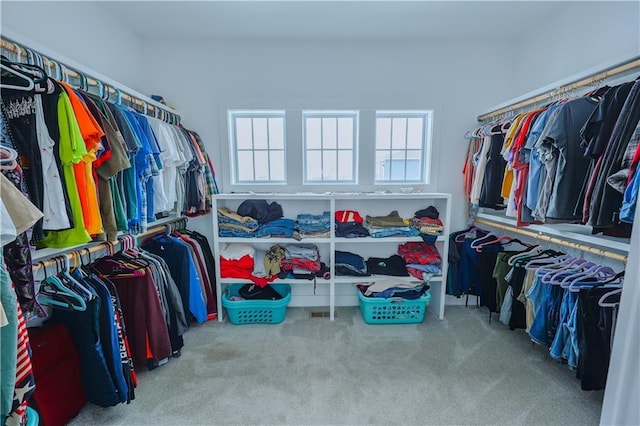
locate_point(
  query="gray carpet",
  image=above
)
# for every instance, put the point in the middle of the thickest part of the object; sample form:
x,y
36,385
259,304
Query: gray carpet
x,y
462,370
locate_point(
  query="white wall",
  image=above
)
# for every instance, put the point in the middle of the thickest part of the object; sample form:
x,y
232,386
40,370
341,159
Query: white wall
x,y
205,79
581,36
80,31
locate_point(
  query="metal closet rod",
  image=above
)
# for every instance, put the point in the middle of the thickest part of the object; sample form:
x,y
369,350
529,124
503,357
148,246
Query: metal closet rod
x,y
554,240
158,112
116,246
592,79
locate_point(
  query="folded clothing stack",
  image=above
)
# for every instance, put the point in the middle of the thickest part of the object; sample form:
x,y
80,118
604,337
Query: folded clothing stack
x,y
394,288
392,265
350,264
302,261
391,225
231,224
421,258
313,226
349,224
428,224
237,261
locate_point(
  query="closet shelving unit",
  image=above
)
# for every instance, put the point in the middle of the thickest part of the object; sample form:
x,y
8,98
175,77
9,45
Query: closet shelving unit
x,y
340,290
568,235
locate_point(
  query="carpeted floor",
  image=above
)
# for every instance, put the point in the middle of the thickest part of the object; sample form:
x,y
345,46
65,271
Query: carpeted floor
x,y
462,370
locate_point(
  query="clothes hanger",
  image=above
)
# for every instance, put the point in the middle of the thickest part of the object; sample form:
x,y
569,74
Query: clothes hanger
x,y
71,282
533,250
468,235
8,157
34,71
506,238
590,271
547,255
55,293
486,238
548,271
602,301
30,84
574,273
536,264
605,277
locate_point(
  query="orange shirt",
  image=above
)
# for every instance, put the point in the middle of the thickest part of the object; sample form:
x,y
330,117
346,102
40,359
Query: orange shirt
x,y
87,190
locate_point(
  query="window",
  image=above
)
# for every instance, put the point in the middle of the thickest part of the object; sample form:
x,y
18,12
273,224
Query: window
x,y
258,146
330,146
403,140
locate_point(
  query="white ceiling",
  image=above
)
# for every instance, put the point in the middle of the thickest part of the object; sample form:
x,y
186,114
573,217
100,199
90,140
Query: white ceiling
x,y
332,20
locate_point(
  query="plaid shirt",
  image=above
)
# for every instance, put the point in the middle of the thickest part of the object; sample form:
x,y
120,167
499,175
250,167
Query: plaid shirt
x,y
211,185
419,253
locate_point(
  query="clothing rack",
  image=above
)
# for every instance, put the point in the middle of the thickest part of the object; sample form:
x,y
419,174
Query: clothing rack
x,y
65,72
553,240
547,96
75,257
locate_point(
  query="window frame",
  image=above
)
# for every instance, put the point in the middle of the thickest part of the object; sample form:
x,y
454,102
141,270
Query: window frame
x,y
425,150
232,115
355,116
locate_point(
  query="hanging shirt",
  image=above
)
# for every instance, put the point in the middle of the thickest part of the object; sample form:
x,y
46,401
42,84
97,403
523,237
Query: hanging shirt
x,y
91,135
72,150
54,206
572,167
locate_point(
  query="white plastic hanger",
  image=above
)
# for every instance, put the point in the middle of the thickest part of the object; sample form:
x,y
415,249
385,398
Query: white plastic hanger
x,y
30,84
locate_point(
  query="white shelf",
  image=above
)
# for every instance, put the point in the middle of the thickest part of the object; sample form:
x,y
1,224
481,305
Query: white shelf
x,y
48,252
273,240
342,279
343,240
276,281
566,231
374,204
333,196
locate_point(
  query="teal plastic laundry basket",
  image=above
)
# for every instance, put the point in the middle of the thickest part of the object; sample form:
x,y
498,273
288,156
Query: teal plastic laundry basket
x,y
256,311
395,310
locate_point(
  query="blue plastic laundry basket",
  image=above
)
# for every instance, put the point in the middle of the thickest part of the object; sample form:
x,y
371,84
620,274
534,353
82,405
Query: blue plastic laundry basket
x,y
395,310
256,311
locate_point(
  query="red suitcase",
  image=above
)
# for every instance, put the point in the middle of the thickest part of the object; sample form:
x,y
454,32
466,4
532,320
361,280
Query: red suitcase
x,y
59,394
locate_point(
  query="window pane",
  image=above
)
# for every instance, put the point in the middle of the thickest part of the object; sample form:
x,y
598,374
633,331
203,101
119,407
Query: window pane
x,y
397,169
382,165
314,165
345,165
276,133
414,133
277,165
345,133
243,133
399,133
329,133
313,133
260,133
245,165
329,165
261,165
414,165
383,133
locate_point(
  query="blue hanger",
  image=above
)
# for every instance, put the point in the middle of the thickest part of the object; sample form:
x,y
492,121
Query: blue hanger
x,y
53,292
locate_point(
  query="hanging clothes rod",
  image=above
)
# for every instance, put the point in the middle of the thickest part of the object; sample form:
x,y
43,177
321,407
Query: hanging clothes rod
x,y
553,240
600,76
31,56
107,247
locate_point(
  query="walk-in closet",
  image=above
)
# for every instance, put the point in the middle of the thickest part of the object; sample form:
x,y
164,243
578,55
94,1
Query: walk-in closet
x,y
319,212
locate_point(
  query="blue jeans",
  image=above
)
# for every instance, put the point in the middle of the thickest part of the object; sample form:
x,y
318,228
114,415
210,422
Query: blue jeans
x,y
312,219
561,340
389,232
546,319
